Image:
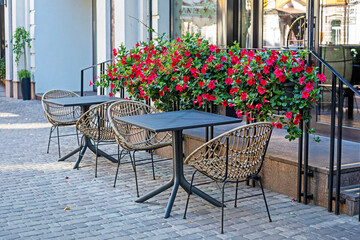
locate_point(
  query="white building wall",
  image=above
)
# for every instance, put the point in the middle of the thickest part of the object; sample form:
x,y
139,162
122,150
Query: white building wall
x,y
131,16
63,43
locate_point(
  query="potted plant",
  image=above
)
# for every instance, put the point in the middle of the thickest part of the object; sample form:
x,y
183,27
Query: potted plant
x,y
2,69
190,71
20,40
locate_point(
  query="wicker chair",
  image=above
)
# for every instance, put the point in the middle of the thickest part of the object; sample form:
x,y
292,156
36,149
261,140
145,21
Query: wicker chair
x,y
96,126
235,156
132,138
60,116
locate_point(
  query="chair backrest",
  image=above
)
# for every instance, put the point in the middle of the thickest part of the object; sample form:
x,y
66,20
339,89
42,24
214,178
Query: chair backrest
x,y
95,123
58,114
129,136
234,155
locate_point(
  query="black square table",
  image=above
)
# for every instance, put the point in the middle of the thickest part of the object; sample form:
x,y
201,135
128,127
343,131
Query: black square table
x,y
176,122
85,103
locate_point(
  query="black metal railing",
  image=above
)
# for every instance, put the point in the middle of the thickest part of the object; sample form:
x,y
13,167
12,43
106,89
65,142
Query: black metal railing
x,y
335,95
97,68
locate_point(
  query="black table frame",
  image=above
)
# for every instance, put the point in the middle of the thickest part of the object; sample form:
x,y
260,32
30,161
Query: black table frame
x,y
178,178
87,142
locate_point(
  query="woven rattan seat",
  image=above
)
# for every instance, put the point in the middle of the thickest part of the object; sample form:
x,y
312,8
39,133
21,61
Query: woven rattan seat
x,y
234,156
57,115
95,125
132,138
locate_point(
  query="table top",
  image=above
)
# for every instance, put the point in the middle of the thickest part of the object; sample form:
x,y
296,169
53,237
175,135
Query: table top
x,y
81,101
178,120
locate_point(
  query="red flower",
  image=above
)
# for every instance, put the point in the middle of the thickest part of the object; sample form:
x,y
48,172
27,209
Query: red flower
x,y
166,89
187,53
224,103
238,81
239,113
111,94
112,86
186,79
228,81
258,106
223,59
302,80
114,52
284,58
309,86
282,78
309,69
263,82
209,59
91,83
266,70
261,90
179,88
201,84
198,55
251,82
161,93
288,115
211,85
248,117
234,90
212,48
279,125
243,96
305,94
322,77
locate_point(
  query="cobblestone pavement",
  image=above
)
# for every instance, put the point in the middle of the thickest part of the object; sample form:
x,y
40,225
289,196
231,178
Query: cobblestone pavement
x,y
35,189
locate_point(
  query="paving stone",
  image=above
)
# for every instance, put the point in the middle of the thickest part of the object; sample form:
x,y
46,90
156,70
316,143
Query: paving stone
x,y
35,191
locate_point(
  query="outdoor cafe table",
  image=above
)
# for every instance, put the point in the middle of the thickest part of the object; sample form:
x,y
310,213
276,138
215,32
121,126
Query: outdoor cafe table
x,y
176,122
85,103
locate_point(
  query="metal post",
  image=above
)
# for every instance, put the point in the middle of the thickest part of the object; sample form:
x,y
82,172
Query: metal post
x,y
300,152
306,161
82,83
339,142
150,20
310,24
332,142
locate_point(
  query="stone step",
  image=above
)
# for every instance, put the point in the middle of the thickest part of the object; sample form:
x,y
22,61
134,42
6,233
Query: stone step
x,y
350,195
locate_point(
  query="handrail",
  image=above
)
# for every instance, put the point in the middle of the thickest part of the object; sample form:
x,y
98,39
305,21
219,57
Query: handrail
x,y
335,72
91,67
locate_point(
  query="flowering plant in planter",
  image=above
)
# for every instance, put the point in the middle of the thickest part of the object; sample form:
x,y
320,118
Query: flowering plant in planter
x,y
195,73
269,81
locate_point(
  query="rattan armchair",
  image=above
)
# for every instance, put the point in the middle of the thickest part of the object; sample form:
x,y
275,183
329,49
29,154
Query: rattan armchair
x,y
59,116
96,126
131,138
235,156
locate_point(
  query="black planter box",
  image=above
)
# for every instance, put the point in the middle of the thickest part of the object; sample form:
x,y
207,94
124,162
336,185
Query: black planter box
x,y
26,88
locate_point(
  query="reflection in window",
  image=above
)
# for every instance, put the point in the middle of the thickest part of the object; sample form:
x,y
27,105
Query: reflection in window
x,y
339,40
284,24
196,16
336,32
246,27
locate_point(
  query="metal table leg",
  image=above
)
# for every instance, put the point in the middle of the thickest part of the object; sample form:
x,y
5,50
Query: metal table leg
x,y
178,178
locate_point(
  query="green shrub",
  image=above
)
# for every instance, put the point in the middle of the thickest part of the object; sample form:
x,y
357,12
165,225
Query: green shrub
x,y
2,68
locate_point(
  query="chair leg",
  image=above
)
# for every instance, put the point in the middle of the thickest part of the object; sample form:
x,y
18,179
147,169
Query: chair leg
x,y
236,192
96,158
134,167
152,163
58,137
117,169
189,193
77,137
222,207
267,209
51,130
